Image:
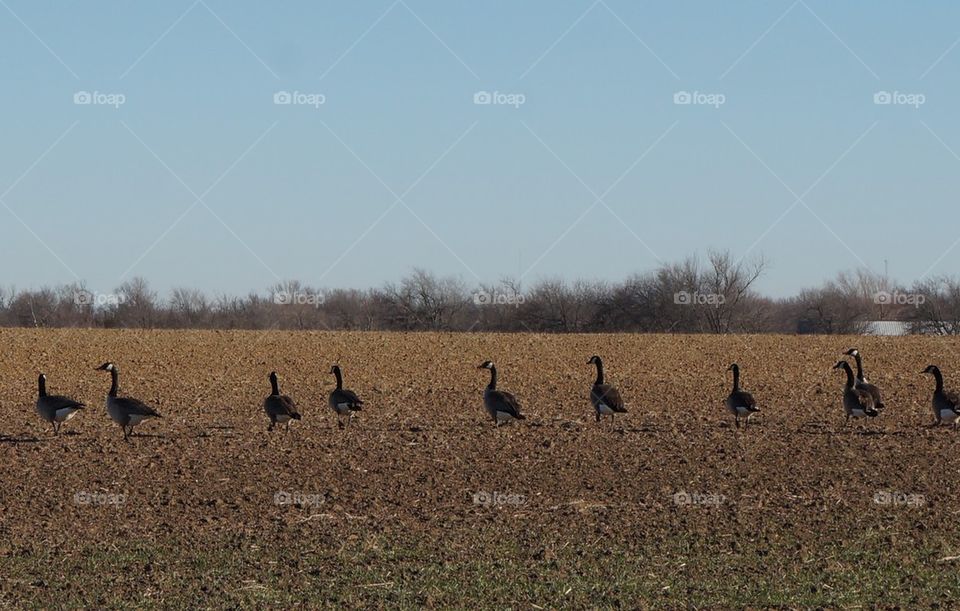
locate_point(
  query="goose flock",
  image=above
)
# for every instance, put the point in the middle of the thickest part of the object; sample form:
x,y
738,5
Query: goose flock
x,y
860,399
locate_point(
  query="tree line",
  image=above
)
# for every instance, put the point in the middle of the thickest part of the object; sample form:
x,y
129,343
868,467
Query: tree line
x,y
710,295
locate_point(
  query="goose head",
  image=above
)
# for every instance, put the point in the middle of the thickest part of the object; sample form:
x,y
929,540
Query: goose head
x,y
108,366
485,365
595,360
335,369
931,369
852,352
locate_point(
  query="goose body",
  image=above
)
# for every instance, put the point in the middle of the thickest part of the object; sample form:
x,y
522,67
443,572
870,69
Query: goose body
x,y
605,398
125,411
740,403
861,380
55,409
857,403
279,408
945,404
343,401
502,406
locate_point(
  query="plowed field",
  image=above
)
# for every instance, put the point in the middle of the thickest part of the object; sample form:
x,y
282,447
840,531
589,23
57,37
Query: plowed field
x,y
422,501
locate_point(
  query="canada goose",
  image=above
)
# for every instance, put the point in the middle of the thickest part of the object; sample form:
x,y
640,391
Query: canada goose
x,y
280,408
343,401
501,405
605,398
856,403
125,411
862,383
946,404
740,402
55,409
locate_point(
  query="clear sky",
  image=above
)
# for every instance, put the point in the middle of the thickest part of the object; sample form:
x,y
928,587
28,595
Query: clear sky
x,y
183,169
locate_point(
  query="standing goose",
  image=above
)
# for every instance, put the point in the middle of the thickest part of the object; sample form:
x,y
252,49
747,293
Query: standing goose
x,y
55,409
856,403
280,408
344,402
605,398
740,403
862,383
946,404
501,405
125,411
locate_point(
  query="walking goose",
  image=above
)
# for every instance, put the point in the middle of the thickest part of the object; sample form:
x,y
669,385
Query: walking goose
x,y
125,411
862,383
280,408
55,409
740,403
946,404
856,403
344,402
605,398
501,405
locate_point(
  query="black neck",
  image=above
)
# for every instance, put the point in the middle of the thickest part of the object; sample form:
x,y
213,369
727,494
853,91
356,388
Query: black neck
x,y
493,378
274,387
599,364
859,366
736,379
43,387
939,377
846,367
337,373
114,382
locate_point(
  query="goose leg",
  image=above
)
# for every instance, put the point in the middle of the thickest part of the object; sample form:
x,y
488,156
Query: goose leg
x,y
736,420
56,429
270,428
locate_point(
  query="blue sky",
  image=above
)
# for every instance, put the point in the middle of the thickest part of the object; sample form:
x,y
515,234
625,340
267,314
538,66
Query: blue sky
x,y
200,179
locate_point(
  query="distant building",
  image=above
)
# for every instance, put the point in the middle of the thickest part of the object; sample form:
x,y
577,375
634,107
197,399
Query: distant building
x,y
887,327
